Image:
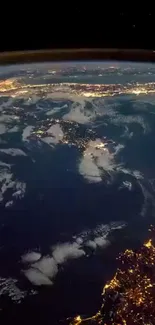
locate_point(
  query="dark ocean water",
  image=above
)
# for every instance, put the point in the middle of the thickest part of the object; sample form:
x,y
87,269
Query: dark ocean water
x,y
59,204
77,287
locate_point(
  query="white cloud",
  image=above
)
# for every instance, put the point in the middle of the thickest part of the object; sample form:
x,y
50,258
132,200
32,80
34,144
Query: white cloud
x,y
55,110
106,109
102,230
48,140
31,257
3,128
148,197
79,240
126,184
8,287
43,270
7,181
127,133
78,113
8,118
13,129
89,170
97,159
27,132
13,152
119,119
63,252
101,107
47,265
136,173
101,241
9,204
36,277
118,148
20,186
91,244
32,99
56,132
2,164
55,135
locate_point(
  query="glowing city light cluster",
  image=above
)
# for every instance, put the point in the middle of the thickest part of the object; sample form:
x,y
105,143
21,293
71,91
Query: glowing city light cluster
x,y
16,87
73,134
129,298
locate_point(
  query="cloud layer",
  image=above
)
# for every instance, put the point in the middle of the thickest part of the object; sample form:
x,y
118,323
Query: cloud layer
x,y
98,160
42,270
9,182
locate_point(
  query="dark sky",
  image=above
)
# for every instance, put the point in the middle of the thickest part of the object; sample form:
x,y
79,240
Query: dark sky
x,y
72,25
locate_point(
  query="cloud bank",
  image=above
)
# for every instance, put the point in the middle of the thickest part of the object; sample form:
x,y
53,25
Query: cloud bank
x,y
42,270
98,160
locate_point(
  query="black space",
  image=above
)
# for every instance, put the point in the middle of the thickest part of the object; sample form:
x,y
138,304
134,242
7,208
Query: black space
x,y
77,25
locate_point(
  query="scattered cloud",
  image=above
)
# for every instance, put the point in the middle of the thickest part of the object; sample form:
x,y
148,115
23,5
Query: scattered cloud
x,y
100,107
13,152
9,287
2,164
32,99
27,132
101,242
3,128
36,277
45,268
97,159
55,110
89,170
79,113
7,181
63,252
31,257
48,140
47,265
79,240
91,244
110,114
56,133
42,271
120,119
14,129
8,118
118,148
127,133
148,198
126,184
147,195
9,204
135,173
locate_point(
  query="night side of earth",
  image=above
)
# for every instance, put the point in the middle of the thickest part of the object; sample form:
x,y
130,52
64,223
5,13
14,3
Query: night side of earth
x,y
77,193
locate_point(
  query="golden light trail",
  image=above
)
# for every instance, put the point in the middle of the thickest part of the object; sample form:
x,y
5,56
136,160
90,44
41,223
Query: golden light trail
x,y
17,87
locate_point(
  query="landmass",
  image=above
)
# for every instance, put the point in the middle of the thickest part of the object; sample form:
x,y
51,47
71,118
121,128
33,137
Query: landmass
x,y
129,298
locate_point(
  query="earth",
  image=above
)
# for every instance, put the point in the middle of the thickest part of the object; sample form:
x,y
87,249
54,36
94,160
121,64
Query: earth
x,y
77,182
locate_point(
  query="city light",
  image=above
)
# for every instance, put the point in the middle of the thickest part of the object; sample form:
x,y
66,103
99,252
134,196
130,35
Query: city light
x,y
129,298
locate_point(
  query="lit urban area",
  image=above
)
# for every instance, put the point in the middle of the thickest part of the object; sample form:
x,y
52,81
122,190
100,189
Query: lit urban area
x,y
129,298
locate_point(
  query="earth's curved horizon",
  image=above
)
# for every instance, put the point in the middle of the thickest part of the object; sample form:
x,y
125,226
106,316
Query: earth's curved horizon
x,y
76,54
77,181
